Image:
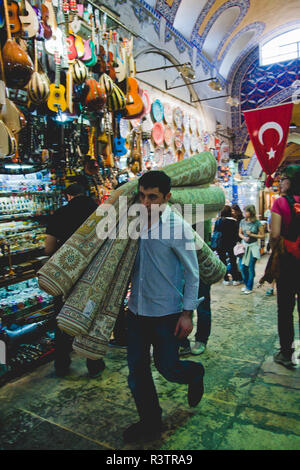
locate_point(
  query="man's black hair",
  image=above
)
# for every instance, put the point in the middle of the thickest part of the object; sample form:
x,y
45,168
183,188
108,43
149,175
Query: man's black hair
x,y
75,189
156,179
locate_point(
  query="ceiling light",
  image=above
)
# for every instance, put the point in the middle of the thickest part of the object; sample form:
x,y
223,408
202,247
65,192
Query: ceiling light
x,y
215,85
233,101
187,71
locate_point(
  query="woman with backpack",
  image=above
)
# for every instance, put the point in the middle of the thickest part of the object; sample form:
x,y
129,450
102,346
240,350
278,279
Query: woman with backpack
x,y
227,227
285,230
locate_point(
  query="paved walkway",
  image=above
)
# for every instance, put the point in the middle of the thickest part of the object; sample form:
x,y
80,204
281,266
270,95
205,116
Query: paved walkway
x,y
249,402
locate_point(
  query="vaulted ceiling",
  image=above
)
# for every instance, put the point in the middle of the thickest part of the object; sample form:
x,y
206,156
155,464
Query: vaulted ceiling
x,y
226,30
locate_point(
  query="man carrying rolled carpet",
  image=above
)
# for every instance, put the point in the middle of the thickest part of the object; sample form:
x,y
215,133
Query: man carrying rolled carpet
x,y
164,293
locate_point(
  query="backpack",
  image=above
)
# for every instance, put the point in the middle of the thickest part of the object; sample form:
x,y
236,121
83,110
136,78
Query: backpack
x,y
292,238
216,238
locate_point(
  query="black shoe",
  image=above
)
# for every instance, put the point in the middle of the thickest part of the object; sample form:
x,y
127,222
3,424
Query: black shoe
x,y
142,431
117,344
195,392
95,367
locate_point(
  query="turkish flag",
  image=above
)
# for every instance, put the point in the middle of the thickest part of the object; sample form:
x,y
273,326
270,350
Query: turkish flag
x,y
268,130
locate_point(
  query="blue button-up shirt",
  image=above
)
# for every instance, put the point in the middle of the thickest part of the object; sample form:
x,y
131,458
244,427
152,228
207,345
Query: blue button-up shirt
x,y
165,278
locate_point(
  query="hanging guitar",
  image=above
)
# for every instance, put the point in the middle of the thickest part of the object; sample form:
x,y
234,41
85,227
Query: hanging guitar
x,y
57,101
135,105
119,146
13,15
107,153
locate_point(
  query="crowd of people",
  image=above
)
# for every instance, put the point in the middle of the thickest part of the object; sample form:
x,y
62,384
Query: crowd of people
x,y
166,289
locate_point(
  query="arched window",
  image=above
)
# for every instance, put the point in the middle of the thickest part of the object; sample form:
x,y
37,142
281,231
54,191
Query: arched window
x,y
284,47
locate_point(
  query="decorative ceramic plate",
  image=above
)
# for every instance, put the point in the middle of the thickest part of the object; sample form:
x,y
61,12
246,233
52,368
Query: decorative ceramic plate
x,y
168,135
157,110
169,157
178,117
186,122
194,143
168,115
193,124
146,101
178,139
205,136
187,141
158,133
200,146
124,128
199,126
147,124
159,156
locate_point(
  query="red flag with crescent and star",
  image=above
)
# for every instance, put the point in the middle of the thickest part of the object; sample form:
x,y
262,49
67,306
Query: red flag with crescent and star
x,y
268,130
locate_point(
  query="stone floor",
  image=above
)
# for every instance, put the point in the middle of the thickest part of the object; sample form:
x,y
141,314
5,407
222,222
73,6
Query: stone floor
x,y
249,402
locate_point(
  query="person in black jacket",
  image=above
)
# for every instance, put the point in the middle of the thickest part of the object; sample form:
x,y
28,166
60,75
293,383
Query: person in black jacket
x,y
62,224
228,227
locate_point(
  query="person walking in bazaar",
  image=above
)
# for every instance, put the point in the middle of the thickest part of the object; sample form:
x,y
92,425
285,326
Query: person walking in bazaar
x,y
61,225
164,293
285,244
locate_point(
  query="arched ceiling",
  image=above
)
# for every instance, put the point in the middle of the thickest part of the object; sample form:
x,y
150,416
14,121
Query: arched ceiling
x,y
225,30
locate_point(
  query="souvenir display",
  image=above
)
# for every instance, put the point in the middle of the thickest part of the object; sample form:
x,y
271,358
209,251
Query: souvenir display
x,y
158,133
169,157
194,143
168,114
187,142
157,109
186,122
193,125
158,158
71,111
169,135
178,117
178,138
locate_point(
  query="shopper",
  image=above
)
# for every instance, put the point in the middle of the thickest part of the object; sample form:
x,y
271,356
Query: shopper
x,y
62,224
285,225
228,228
237,214
164,293
250,231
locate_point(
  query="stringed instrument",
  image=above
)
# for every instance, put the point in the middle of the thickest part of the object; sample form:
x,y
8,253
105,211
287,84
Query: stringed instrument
x,y
72,51
18,66
119,146
45,21
29,20
110,58
13,15
96,97
134,102
94,59
38,85
38,12
107,153
120,67
57,101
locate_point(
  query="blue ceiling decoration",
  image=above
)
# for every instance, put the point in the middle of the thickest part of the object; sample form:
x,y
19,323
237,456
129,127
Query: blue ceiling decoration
x,y
168,12
242,4
258,27
259,86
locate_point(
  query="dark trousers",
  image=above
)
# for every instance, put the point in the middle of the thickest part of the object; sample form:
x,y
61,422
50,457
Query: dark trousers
x,y
158,331
203,314
288,287
228,253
